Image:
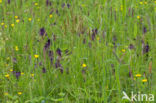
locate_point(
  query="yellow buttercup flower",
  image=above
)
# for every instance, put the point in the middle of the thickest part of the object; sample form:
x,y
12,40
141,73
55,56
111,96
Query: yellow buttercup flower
x,y
19,93
2,24
32,75
17,20
12,25
84,65
36,4
7,75
138,75
16,17
123,50
29,19
141,3
138,17
11,70
36,56
22,73
16,48
50,15
144,80
0,1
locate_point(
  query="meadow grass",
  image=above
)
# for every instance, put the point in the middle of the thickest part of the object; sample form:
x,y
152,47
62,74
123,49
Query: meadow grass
x,y
78,51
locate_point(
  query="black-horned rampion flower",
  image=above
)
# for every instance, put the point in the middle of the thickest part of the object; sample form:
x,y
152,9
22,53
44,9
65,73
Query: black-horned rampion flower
x,y
47,45
68,5
94,32
144,29
8,1
43,70
48,3
146,48
51,56
42,32
58,51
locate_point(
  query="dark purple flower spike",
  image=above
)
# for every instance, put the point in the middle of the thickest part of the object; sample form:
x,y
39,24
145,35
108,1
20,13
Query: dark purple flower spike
x,y
144,30
18,74
94,32
47,45
43,70
63,5
51,56
146,48
8,1
58,51
42,32
131,46
48,3
57,64
68,5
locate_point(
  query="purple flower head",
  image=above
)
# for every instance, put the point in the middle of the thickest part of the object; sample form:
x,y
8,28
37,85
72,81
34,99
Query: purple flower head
x,y
8,1
57,12
63,5
57,64
130,74
42,32
48,3
51,53
58,51
146,49
94,32
131,46
17,74
43,70
51,60
51,56
61,70
68,5
144,30
47,45
93,36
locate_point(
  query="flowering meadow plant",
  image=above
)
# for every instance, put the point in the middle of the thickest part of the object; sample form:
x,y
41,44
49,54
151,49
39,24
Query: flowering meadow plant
x,y
77,51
